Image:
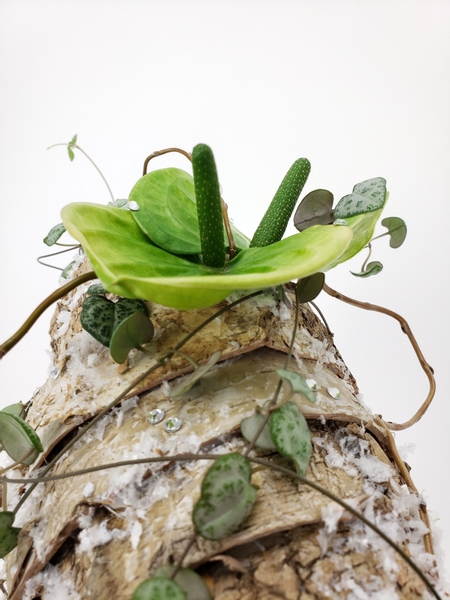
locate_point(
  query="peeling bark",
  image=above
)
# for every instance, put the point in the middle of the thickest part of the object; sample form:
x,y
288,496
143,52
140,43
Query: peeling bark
x,y
295,545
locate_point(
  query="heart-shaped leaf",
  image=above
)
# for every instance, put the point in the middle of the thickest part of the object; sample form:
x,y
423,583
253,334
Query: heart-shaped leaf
x,y
367,196
100,317
184,386
397,230
297,383
226,497
97,318
133,331
249,428
309,288
159,588
96,289
168,212
291,435
372,268
18,439
8,533
54,234
316,208
188,580
130,266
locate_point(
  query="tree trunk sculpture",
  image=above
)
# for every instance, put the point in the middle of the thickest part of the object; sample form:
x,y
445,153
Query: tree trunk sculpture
x,y
100,534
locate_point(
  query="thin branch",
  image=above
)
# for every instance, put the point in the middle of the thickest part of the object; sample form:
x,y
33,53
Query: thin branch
x,y
322,316
274,399
160,153
369,247
183,556
406,330
226,220
57,295
72,145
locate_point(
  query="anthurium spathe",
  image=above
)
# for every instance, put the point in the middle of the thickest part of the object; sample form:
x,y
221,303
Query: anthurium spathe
x,y
130,265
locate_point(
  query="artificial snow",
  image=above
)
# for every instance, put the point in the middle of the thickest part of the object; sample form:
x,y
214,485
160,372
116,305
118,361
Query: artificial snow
x,y
88,490
97,535
51,584
402,523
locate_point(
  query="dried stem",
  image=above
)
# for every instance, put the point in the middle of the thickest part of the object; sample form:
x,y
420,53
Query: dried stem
x,y
406,330
57,295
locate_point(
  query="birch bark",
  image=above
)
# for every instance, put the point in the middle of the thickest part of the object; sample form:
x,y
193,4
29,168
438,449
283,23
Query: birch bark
x,y
99,535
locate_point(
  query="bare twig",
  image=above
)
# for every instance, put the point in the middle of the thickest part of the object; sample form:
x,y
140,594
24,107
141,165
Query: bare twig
x,y
59,293
160,153
406,330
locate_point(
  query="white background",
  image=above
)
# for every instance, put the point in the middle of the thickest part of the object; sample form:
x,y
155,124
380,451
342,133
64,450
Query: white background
x,y
360,88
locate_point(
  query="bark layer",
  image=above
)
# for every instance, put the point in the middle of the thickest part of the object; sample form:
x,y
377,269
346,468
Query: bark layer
x,y
99,535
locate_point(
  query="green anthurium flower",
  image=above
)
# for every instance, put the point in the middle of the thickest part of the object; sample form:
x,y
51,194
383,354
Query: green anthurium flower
x,y
130,265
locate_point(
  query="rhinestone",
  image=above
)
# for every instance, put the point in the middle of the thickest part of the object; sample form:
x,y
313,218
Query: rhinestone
x,y
132,205
55,372
156,416
334,392
312,384
340,222
173,424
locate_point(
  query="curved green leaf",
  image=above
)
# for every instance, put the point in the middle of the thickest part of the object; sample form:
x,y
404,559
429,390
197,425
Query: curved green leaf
x,y
168,213
291,435
128,265
226,497
298,383
18,439
188,580
372,268
185,385
316,208
249,428
367,196
8,533
132,332
397,230
159,588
